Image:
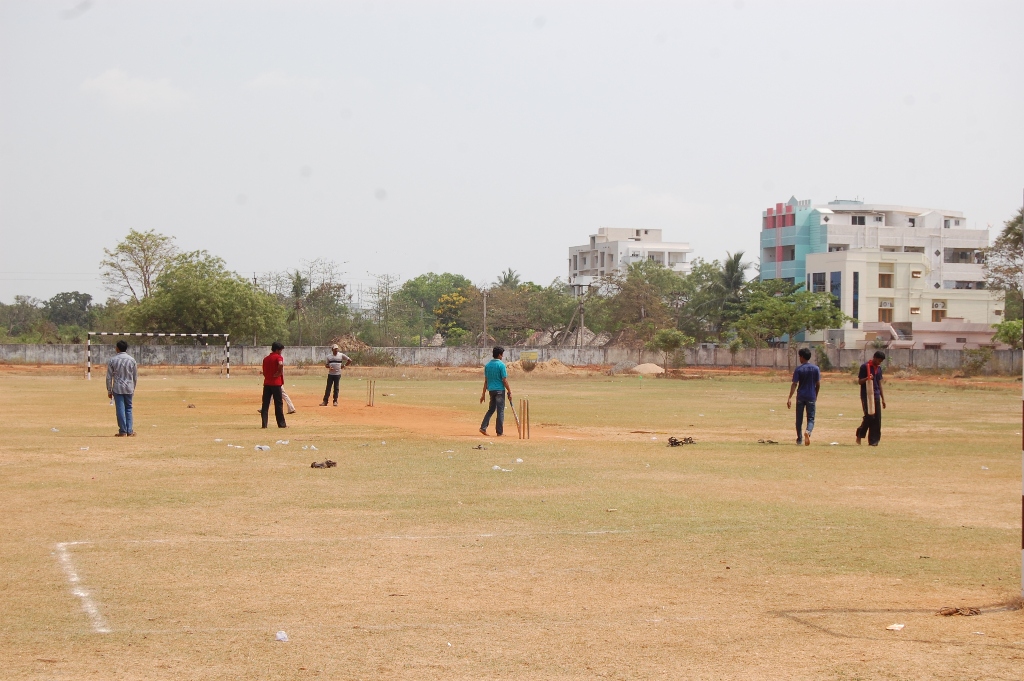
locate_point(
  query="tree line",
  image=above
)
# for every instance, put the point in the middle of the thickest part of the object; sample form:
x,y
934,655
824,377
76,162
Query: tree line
x,y
155,286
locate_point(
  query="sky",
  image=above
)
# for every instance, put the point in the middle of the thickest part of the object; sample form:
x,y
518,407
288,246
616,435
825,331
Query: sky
x,y
406,137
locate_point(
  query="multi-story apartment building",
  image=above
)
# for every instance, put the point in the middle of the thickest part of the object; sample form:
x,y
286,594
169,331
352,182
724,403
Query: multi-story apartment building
x,y
614,249
891,267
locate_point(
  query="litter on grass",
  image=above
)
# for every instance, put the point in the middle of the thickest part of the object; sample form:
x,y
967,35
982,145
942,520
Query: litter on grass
x,y
895,627
963,612
984,468
84,449
282,637
54,430
495,468
479,447
323,464
282,442
767,442
217,439
832,444
191,406
519,460
262,448
448,451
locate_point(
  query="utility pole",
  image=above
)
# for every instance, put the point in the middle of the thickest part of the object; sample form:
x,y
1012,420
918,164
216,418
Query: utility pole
x,y
254,285
485,316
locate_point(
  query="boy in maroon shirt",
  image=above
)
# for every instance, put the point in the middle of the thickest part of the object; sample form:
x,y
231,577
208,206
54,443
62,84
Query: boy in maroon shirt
x,y
273,379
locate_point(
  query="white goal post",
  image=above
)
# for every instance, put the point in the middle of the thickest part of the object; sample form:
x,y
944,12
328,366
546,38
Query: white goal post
x,y
90,334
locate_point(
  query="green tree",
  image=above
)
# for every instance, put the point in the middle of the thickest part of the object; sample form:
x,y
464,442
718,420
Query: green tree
x,y
448,313
196,293
418,297
637,300
70,308
669,340
1009,332
131,269
509,279
1004,264
774,308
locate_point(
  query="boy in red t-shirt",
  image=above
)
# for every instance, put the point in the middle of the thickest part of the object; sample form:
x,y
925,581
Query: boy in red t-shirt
x,y
273,379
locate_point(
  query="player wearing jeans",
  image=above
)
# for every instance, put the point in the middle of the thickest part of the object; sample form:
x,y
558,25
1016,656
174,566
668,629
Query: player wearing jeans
x,y
872,423
806,384
495,384
122,375
273,380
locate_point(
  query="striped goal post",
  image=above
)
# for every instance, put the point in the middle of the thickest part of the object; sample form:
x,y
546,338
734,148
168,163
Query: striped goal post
x,y
90,334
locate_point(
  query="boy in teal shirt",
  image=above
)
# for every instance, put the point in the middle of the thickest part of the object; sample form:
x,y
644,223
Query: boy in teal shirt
x,y
496,384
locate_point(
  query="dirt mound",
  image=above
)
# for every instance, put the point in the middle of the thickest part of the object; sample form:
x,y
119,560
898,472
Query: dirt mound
x,y
647,369
349,343
552,367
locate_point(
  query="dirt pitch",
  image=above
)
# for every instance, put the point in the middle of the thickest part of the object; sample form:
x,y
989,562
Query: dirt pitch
x,y
603,554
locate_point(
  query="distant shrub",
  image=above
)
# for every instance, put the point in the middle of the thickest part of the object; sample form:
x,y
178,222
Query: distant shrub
x,y
373,357
824,363
974,361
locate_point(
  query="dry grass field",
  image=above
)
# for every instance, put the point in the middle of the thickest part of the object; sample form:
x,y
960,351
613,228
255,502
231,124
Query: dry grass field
x,y
603,553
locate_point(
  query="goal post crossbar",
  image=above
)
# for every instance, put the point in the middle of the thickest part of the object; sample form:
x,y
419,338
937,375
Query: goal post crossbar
x,y
138,334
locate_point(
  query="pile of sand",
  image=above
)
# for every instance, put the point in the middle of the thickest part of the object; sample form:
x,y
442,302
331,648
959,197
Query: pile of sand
x,y
552,367
647,369
349,343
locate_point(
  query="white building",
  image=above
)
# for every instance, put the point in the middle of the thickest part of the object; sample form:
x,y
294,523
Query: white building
x,y
893,268
614,249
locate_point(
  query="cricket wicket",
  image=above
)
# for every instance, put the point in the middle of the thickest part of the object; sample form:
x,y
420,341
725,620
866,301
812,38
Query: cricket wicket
x,y
524,417
371,392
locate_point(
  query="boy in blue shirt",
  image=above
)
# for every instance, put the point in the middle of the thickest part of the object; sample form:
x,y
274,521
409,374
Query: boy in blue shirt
x,y
495,383
806,383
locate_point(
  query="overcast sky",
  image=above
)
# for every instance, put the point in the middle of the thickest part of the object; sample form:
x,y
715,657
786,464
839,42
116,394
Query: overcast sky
x,y
406,137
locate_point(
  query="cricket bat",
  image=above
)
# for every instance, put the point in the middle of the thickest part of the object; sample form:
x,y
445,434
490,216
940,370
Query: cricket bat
x,y
519,427
870,387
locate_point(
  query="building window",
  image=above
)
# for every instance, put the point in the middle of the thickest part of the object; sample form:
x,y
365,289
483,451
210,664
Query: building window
x,y
856,298
967,285
913,249
836,287
938,315
956,223
915,310
884,280
945,224
602,258
878,218
584,261
638,232
961,340
856,219
915,274
838,248
885,315
788,253
575,262
818,282
912,222
963,256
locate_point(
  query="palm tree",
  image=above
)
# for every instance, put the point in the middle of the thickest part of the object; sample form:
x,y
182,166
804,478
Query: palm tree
x,y
732,277
299,285
508,279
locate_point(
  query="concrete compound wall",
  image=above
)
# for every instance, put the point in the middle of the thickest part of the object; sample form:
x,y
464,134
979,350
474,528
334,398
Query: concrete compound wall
x,y
1003,361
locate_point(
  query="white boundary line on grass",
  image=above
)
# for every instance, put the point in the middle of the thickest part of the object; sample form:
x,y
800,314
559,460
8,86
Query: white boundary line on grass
x,y
99,625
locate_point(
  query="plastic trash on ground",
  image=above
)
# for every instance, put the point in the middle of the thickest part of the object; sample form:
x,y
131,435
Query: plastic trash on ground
x,y
895,627
282,637
84,449
54,430
519,460
262,448
282,442
495,468
217,439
